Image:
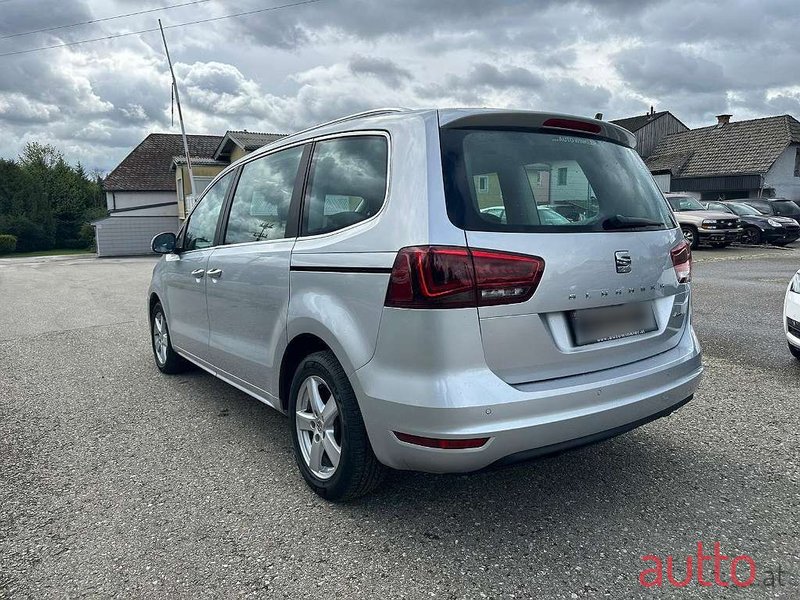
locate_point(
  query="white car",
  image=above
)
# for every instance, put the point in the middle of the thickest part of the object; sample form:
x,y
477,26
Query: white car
x,y
791,315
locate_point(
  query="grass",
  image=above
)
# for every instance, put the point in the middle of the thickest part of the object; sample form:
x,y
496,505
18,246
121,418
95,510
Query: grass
x,y
55,252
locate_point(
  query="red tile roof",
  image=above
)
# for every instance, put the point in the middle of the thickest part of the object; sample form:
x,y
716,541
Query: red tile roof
x,y
148,167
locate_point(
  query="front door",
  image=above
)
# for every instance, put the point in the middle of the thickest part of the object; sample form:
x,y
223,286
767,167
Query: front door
x,y
247,278
185,279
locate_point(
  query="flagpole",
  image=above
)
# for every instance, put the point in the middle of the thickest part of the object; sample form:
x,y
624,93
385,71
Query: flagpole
x,y
180,113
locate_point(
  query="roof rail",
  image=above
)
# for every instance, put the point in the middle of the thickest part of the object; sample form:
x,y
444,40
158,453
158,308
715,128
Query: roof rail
x,y
367,113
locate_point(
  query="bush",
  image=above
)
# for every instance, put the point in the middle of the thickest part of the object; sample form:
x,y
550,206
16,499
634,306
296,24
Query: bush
x,y
8,243
30,236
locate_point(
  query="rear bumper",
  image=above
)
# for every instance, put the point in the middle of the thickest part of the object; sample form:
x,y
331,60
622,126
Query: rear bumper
x,y
524,420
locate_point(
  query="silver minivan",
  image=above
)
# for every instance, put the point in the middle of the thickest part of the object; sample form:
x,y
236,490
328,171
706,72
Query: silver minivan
x,y
351,276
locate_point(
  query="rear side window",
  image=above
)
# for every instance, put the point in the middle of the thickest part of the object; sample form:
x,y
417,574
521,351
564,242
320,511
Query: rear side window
x,y
260,206
347,182
532,181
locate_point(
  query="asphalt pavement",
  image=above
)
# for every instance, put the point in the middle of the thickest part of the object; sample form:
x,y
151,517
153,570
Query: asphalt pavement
x,y
117,481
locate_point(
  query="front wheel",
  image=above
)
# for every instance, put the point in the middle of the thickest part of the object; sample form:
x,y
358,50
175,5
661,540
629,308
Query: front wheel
x,y
330,441
752,236
795,351
690,235
167,360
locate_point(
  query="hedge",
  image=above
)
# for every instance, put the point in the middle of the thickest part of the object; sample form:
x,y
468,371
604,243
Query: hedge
x,y
8,243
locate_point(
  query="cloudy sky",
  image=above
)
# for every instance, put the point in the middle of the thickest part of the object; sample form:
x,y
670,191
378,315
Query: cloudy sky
x,y
286,69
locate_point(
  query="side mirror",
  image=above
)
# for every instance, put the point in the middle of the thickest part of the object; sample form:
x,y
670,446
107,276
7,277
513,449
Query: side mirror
x,y
164,243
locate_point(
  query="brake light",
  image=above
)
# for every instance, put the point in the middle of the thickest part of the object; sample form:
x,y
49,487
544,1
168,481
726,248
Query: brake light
x,y
454,277
682,261
572,124
443,444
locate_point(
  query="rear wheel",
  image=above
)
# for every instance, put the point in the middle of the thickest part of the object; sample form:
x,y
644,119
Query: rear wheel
x,y
795,351
330,441
751,235
167,360
690,235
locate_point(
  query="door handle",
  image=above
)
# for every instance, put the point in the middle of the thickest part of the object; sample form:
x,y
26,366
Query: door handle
x,y
198,273
214,273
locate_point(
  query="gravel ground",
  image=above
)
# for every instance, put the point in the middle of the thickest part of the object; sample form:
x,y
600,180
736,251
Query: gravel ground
x,y
116,481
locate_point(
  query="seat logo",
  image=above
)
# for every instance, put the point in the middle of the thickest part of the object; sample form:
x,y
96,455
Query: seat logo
x,y
622,258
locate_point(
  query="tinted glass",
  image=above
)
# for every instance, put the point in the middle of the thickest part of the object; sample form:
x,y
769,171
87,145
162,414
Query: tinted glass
x,y
786,209
547,182
260,206
202,225
347,183
744,210
719,207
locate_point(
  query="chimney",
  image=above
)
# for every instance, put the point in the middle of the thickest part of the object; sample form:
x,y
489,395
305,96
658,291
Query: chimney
x,y
723,120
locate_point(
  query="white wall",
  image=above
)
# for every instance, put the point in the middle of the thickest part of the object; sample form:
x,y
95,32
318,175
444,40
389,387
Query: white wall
x,y
781,175
663,181
133,199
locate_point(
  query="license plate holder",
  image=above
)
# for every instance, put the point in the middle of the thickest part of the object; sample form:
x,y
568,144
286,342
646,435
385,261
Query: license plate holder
x,y
607,323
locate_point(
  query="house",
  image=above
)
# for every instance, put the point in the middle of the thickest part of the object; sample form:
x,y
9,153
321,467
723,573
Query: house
x,y
651,128
149,191
141,194
740,159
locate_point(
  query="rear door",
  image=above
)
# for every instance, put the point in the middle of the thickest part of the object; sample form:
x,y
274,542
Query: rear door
x,y
609,293
247,286
186,273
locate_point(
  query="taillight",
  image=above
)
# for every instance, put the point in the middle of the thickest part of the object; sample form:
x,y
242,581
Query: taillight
x,y
682,261
454,277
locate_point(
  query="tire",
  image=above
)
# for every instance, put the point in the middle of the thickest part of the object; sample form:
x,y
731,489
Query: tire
x,y
795,351
318,431
690,235
167,360
752,236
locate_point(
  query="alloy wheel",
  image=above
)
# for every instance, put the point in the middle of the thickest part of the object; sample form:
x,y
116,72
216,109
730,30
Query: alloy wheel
x,y
160,338
318,427
688,235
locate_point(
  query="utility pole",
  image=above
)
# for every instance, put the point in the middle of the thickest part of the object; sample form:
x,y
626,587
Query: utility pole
x,y
180,114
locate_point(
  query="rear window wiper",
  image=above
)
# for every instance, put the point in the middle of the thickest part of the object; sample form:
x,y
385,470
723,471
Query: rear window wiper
x,y
623,222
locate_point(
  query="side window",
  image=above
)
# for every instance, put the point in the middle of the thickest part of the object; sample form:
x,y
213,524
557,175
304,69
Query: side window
x,y
260,206
347,183
202,225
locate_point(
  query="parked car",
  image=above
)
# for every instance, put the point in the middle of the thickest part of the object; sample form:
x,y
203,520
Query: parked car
x,y
547,214
703,226
346,276
775,207
758,228
791,315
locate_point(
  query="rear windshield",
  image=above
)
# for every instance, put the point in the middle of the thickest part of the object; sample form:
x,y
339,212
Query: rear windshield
x,y
531,181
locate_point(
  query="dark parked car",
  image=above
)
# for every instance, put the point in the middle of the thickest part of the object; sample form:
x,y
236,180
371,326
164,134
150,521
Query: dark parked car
x,y
758,228
778,207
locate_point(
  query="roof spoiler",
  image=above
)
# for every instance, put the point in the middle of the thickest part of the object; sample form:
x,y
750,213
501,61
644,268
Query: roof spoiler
x,y
536,120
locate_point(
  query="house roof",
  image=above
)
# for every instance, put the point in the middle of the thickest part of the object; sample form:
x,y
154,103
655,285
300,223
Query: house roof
x,y
741,147
148,168
246,140
633,124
